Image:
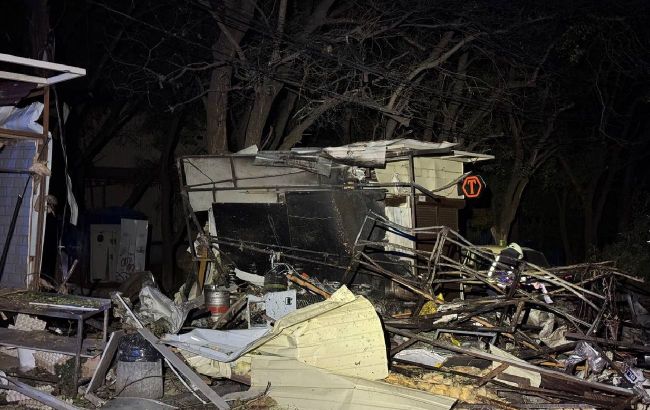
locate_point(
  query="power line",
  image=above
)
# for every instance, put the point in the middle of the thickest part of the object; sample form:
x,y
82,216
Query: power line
x,y
313,52
390,77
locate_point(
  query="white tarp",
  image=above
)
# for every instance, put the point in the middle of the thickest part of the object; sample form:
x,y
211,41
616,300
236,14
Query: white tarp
x,y
22,119
155,306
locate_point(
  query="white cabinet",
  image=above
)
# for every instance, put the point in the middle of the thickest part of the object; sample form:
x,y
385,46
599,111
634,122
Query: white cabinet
x,y
104,247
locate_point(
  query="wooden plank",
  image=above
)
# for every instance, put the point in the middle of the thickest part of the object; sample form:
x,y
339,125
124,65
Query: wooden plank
x,y
47,342
104,362
61,77
15,134
185,369
493,373
29,62
37,395
6,75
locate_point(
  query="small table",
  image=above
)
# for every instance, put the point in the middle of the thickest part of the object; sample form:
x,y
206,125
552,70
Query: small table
x,y
55,306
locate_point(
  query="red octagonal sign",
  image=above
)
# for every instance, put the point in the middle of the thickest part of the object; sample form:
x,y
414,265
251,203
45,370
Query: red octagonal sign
x,y
473,186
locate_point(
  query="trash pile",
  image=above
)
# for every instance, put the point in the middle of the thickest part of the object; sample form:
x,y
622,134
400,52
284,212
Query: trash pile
x,y
308,292
451,326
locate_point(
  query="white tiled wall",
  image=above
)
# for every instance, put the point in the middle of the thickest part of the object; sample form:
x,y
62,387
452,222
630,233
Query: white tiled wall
x,y
17,156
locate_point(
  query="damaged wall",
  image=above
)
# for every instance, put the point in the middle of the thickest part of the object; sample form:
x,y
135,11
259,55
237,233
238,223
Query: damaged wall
x,y
15,156
431,173
215,172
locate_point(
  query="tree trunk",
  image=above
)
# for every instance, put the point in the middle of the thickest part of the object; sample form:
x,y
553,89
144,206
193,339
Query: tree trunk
x,y
295,135
428,126
456,89
347,127
39,27
141,187
596,198
166,202
265,95
239,138
509,206
589,233
226,47
562,224
625,200
217,110
282,119
389,129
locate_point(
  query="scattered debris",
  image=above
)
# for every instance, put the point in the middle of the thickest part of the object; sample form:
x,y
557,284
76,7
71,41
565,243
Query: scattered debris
x,y
28,395
346,306
158,308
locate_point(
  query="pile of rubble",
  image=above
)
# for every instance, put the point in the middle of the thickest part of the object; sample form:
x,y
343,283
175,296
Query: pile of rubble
x,y
451,326
405,327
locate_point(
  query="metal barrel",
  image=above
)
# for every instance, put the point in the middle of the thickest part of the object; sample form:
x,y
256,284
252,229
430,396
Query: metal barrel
x,y
217,301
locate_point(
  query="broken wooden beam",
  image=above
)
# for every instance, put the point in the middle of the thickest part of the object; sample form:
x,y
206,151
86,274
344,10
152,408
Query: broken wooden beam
x,y
305,284
493,373
104,362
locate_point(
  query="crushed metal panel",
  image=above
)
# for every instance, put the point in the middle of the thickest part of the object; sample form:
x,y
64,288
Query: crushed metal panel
x,y
376,153
299,386
325,221
261,223
247,175
204,176
309,161
342,334
208,172
329,221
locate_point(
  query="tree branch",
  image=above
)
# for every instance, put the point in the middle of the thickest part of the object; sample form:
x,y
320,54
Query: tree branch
x,y
427,65
295,135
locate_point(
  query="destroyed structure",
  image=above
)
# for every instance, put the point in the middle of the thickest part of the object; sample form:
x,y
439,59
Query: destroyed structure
x,y
335,278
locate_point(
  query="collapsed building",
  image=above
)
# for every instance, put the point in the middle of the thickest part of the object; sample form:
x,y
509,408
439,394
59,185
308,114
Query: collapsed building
x,y
309,204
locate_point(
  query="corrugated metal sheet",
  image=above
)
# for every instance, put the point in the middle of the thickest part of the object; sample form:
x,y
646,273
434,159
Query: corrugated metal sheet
x,y
295,385
342,334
